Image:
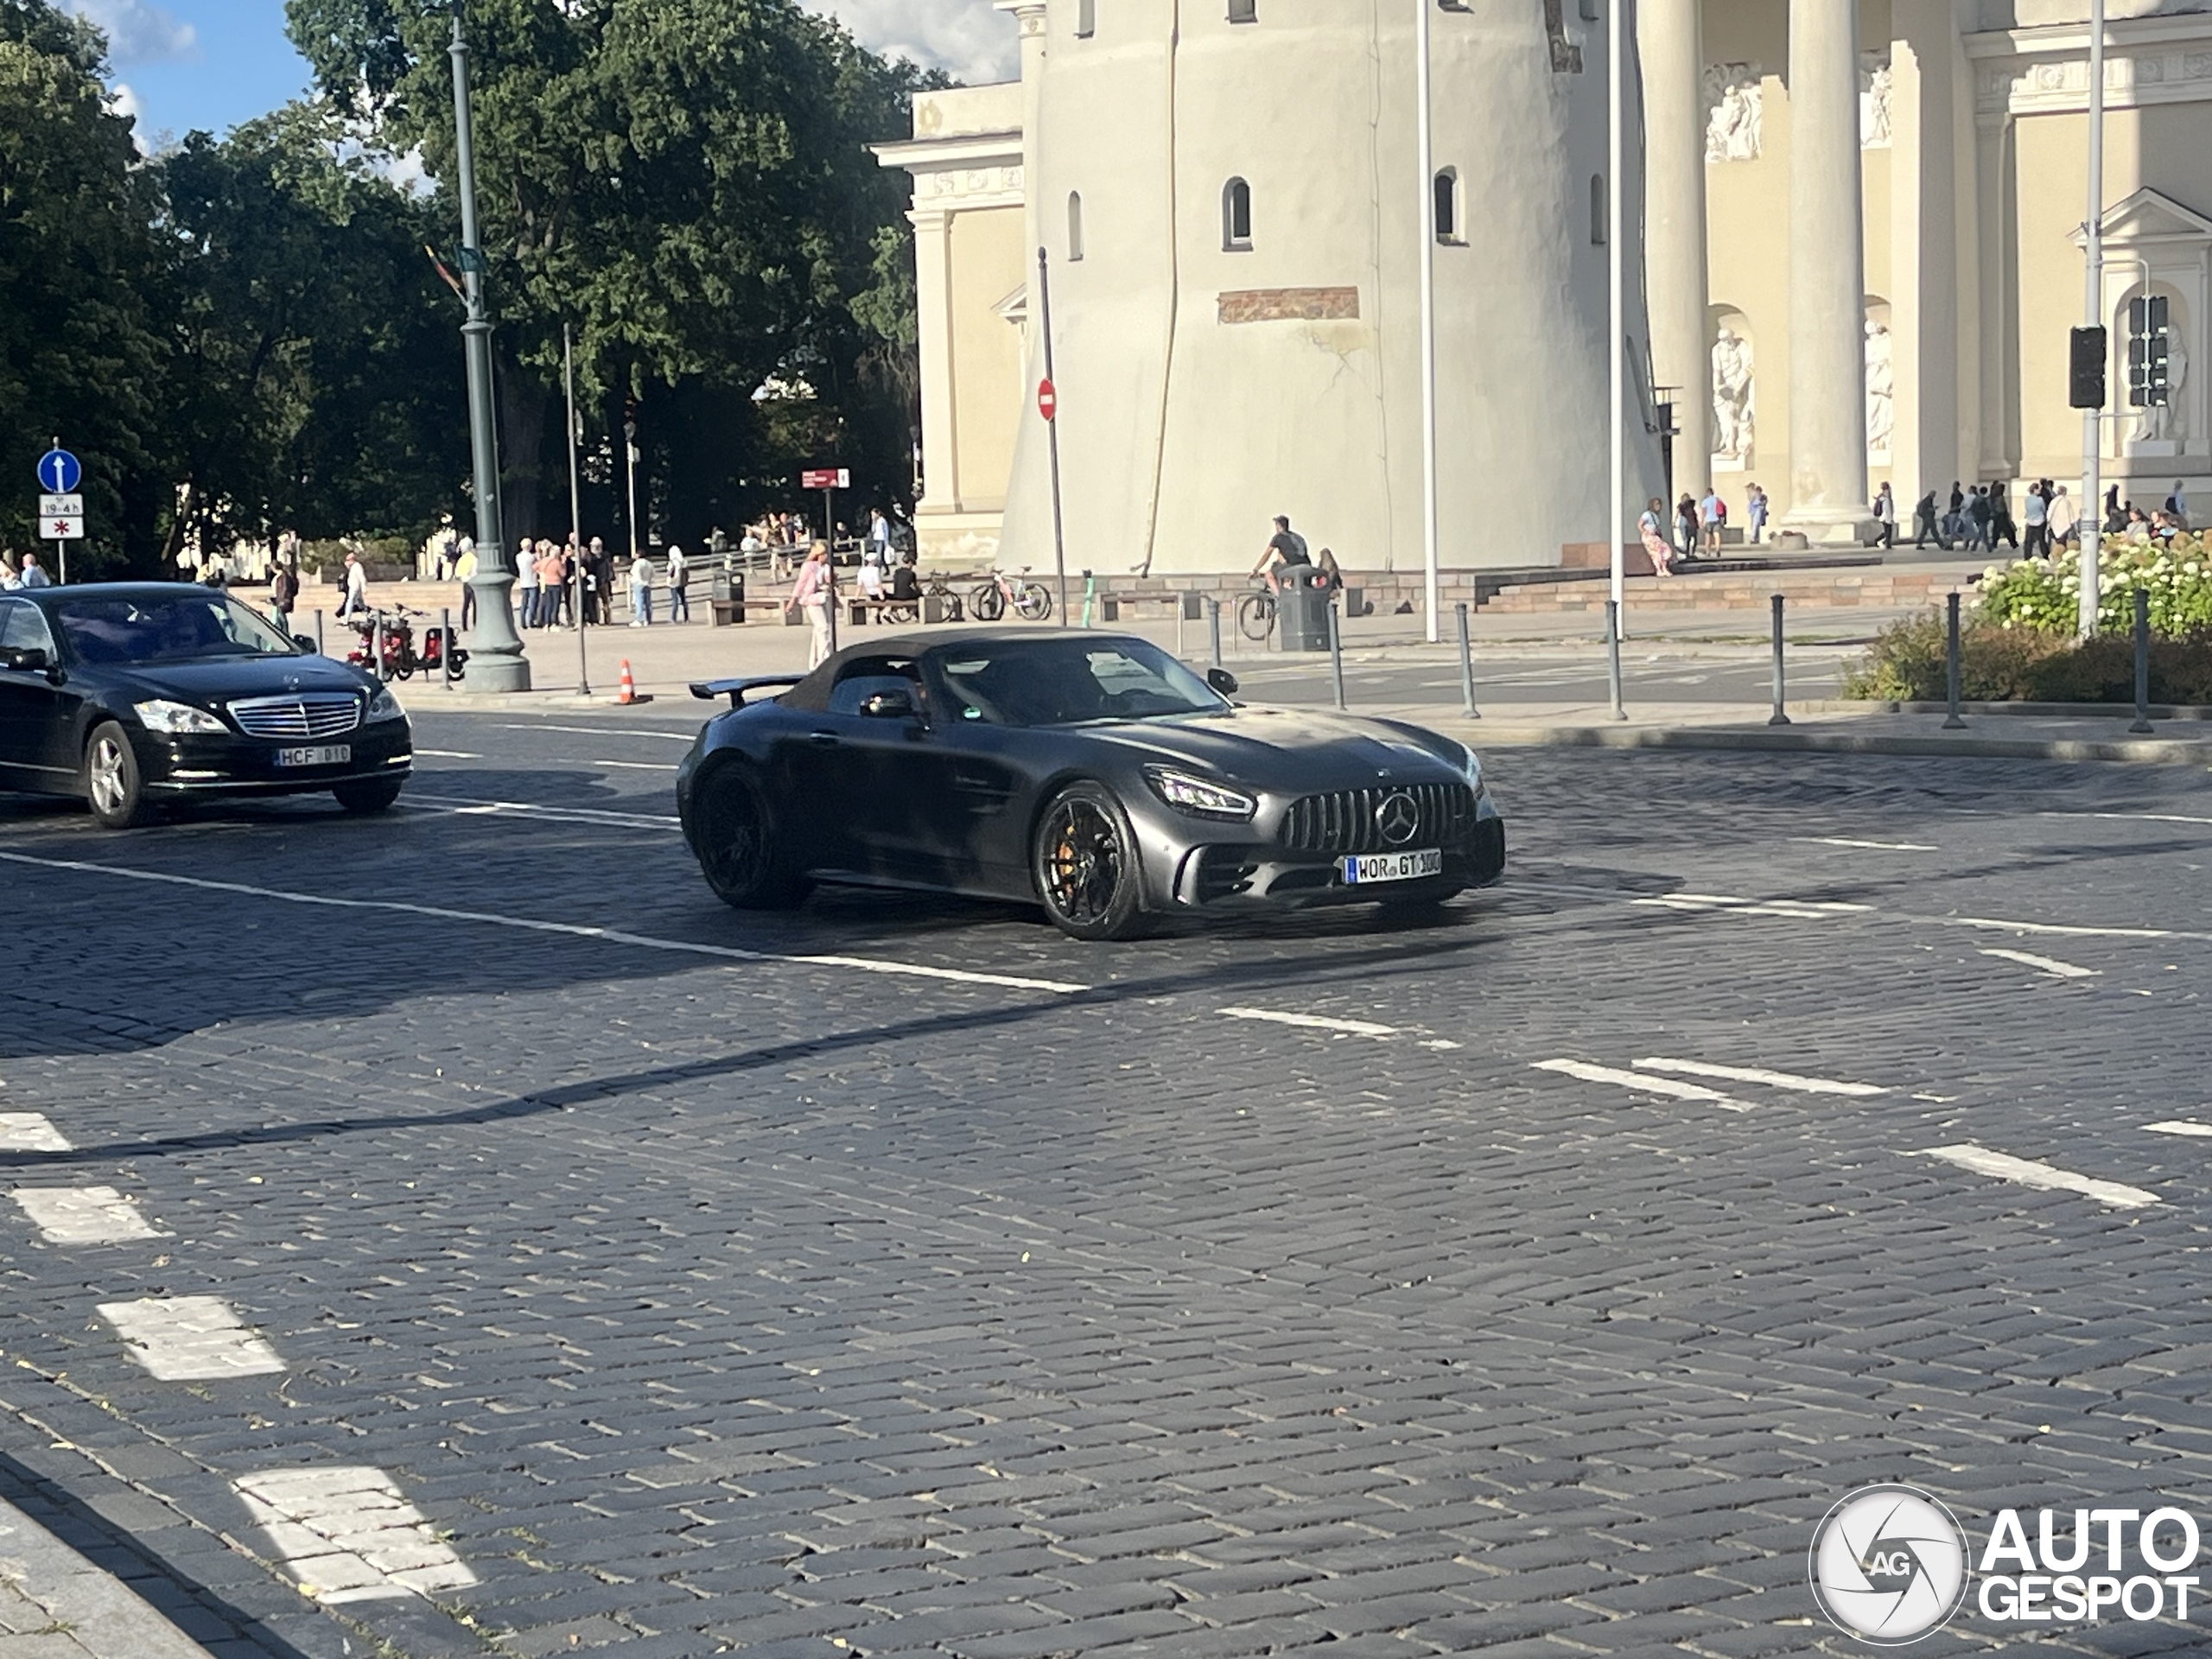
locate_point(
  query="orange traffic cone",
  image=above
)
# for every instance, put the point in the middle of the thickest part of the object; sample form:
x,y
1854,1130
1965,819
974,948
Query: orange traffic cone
x,y
629,685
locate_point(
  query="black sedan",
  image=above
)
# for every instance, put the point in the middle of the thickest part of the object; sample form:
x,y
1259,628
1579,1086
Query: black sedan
x,y
1088,772
134,694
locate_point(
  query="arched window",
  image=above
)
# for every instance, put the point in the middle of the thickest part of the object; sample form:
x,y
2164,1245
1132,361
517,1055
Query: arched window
x,y
1236,216
1243,11
1596,210
1447,206
1086,18
1075,226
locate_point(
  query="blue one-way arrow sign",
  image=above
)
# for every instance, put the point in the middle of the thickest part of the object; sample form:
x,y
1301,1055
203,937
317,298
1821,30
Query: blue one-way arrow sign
x,y
59,473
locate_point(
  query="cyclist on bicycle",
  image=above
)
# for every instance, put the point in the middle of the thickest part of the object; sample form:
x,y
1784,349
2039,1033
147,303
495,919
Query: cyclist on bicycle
x,y
1286,552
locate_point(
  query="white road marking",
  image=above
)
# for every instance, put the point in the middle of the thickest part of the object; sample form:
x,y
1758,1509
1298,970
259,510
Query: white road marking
x,y
188,1338
1803,910
2139,818
1999,924
1635,1080
2181,1126
637,766
1312,1022
448,754
530,809
29,1131
1758,1074
2050,965
604,731
2028,1173
1840,841
348,1534
85,1214
567,930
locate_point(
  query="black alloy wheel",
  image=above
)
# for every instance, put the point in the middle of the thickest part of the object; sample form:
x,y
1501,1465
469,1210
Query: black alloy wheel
x,y
736,844
1083,863
368,794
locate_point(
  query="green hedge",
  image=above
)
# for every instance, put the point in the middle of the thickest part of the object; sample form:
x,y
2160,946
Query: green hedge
x,y
2005,662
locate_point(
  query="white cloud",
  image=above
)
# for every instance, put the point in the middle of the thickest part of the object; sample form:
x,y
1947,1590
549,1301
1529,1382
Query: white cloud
x,y
139,32
966,38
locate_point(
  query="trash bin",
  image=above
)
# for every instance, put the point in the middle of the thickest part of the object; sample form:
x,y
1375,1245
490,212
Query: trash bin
x,y
726,597
1303,611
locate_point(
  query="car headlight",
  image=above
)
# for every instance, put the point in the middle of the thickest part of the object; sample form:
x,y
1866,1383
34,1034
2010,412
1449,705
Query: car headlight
x,y
159,715
384,706
1200,797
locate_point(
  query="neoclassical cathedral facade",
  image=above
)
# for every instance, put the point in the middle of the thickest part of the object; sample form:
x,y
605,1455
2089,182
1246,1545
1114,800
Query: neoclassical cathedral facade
x,y
1854,233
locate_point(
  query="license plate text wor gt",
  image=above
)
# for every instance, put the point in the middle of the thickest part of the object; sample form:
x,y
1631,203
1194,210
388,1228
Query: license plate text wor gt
x,y
1392,867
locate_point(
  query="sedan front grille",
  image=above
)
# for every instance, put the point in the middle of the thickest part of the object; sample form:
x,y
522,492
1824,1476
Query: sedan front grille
x,y
325,715
1343,821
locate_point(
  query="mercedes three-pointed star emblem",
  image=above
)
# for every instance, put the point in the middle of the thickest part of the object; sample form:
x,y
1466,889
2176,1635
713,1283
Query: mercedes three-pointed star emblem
x,y
1397,818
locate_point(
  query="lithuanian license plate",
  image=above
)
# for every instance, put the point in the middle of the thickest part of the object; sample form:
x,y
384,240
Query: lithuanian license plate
x,y
1393,867
332,754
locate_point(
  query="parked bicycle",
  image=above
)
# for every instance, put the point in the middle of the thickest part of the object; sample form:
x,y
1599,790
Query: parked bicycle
x,y
988,599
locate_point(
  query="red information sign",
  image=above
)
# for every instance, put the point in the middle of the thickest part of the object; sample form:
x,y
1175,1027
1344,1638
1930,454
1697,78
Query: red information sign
x,y
836,478
1048,399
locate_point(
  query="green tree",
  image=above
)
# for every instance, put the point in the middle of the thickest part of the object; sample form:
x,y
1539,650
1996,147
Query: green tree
x,y
83,353
686,182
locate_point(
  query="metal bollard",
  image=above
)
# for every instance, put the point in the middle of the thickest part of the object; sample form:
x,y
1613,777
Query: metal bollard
x,y
445,645
318,634
1613,655
1213,624
1336,656
2142,726
1778,718
1467,666
1951,722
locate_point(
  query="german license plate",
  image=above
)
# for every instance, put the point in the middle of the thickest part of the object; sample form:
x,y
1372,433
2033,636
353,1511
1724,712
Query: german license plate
x,y
1393,867
333,754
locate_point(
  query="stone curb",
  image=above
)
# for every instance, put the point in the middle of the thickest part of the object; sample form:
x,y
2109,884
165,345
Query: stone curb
x,y
97,1611
1786,740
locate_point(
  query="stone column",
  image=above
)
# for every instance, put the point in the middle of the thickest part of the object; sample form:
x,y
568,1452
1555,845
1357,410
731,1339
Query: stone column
x,y
1669,37
1029,15
1827,302
933,344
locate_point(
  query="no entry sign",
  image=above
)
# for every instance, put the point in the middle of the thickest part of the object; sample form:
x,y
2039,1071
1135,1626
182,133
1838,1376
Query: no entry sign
x,y
1048,399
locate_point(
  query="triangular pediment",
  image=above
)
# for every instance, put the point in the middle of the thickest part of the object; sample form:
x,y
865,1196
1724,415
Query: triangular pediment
x,y
1015,307
2149,216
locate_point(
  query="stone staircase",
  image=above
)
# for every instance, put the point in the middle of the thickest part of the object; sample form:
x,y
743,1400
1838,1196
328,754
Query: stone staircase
x,y
1874,587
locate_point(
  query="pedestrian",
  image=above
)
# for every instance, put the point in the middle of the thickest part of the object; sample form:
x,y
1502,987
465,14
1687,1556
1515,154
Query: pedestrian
x,y
1709,512
679,582
1925,523
1686,525
34,574
641,592
2116,515
814,593
2177,505
2001,525
283,593
354,601
464,569
1978,520
10,578
2065,522
1755,509
527,579
1954,520
599,565
1885,516
878,552
2037,516
1652,528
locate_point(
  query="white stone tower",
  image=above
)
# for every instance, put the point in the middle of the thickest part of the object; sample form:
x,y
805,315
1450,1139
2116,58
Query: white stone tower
x,y
1228,190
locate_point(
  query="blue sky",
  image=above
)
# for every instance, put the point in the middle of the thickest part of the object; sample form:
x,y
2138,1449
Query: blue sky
x,y
214,63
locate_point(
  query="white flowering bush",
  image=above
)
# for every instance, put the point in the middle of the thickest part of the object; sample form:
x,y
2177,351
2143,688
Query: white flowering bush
x,y
2045,595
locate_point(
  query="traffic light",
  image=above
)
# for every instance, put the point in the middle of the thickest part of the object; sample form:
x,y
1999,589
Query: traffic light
x,y
2088,376
2147,340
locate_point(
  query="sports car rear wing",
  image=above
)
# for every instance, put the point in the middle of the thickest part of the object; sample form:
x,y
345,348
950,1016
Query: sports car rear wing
x,y
736,690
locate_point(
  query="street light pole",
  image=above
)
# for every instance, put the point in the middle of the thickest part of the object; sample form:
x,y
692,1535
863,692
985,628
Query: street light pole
x,y
2092,505
1616,306
495,646
1424,144
576,508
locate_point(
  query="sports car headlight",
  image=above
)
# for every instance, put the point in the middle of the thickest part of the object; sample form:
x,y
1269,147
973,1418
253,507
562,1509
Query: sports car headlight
x,y
1472,765
384,706
159,715
1199,797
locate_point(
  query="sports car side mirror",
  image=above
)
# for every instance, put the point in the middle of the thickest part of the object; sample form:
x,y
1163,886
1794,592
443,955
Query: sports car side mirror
x,y
888,705
30,659
1222,680
304,643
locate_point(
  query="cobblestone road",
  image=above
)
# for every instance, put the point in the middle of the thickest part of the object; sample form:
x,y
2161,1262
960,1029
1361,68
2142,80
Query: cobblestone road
x,y
580,1265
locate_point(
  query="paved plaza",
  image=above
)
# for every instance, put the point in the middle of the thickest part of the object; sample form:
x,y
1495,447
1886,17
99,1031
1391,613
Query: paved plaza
x,y
456,1233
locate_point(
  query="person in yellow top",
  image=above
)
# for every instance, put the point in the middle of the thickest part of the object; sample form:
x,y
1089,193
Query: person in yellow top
x,y
463,568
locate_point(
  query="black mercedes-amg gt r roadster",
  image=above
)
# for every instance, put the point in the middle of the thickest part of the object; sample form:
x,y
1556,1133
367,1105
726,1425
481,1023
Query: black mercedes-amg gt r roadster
x,y
1092,774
